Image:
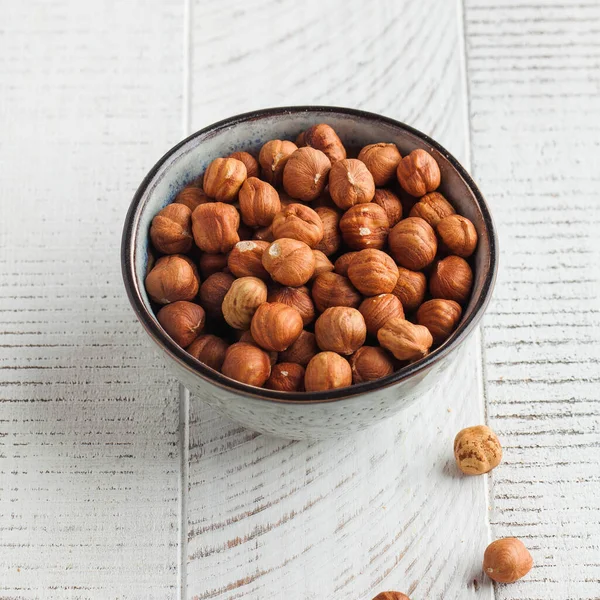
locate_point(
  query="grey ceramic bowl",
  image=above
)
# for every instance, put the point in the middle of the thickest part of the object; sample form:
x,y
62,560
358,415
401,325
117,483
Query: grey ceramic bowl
x,y
302,415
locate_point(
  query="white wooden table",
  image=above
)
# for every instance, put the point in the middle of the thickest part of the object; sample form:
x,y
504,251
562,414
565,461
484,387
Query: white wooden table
x,y
113,484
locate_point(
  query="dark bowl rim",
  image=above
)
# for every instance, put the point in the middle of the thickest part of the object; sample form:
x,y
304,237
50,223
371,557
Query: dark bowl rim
x,y
195,366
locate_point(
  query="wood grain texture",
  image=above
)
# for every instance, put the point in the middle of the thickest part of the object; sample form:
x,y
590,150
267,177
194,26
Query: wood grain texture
x,y
386,508
534,80
91,96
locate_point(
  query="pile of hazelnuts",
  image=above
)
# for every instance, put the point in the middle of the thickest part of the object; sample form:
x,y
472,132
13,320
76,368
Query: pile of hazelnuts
x,y
296,270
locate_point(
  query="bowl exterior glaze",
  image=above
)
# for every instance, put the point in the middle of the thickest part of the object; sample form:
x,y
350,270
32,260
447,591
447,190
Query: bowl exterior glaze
x,y
294,415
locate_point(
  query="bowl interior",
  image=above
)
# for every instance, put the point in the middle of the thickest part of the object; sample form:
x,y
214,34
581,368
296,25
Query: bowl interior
x,y
249,132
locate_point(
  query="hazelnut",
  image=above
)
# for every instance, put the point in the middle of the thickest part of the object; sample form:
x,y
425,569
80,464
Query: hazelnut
x,y
322,263
452,279
275,326
171,229
305,174
381,160
215,227
259,202
224,178
246,363
302,350
418,173
365,226
324,138
273,157
246,337
327,371
410,288
182,320
286,377
299,222
441,318
350,183
192,197
210,350
286,199
390,203
340,329
324,200
212,263
413,243
213,291
249,161
342,264
369,363
458,235
432,208
332,239
241,301
373,272
477,450
172,278
331,289
289,261
405,340
378,310
245,260
264,234
507,560
297,298
299,141
391,596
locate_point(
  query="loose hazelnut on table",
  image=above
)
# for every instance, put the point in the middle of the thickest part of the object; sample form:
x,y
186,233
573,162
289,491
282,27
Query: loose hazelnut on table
x,y
289,261
223,179
410,288
213,291
332,239
209,349
296,297
241,301
299,222
418,173
413,243
324,138
331,289
458,235
245,259
171,230
215,227
390,203
405,340
286,377
192,197
391,596
342,264
272,159
305,174
302,350
382,161
350,183
378,310
247,363
373,272
340,329
477,450
259,202
441,318
369,363
249,161
452,279
182,320
365,226
327,371
322,263
172,278
506,560
432,208
212,263
275,326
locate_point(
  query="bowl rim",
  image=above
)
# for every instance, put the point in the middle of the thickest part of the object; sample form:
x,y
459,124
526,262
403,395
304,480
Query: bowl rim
x,y
175,352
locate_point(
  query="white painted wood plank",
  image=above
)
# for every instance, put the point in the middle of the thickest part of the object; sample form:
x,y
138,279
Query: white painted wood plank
x,y
91,96
386,508
534,80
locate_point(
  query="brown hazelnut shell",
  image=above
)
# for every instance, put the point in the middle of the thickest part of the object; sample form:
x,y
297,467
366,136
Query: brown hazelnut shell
x,y
183,321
